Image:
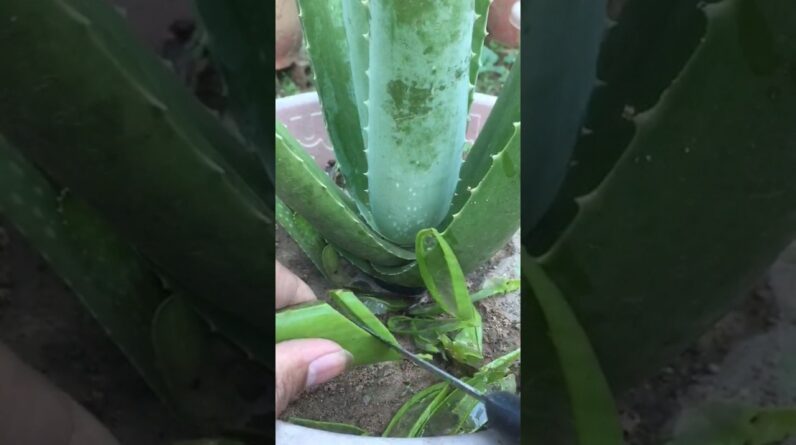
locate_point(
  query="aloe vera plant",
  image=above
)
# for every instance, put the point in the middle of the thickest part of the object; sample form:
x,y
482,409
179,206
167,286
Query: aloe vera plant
x,y
396,81
659,185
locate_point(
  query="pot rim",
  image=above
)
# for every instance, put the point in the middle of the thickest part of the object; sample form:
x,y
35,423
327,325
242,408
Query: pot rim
x,y
294,434
309,97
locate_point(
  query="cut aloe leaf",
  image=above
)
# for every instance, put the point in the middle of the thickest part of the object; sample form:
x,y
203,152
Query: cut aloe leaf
x,y
350,306
439,409
320,320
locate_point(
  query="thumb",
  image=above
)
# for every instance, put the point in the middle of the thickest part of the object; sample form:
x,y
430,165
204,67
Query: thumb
x,y
302,364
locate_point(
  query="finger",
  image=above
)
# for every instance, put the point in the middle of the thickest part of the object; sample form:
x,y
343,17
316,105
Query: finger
x,y
303,364
290,289
35,412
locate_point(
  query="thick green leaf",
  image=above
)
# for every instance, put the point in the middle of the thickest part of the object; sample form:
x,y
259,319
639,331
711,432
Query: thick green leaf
x,y
101,127
180,339
495,135
320,320
479,33
301,231
442,275
419,84
593,407
105,273
349,305
649,262
494,203
495,288
641,55
324,30
416,411
356,16
242,49
555,91
443,410
384,305
306,189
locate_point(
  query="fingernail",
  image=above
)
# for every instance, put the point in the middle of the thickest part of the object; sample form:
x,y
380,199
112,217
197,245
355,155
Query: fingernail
x,y
327,367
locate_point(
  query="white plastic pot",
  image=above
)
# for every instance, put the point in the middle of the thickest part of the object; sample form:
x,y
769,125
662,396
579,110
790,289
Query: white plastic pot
x,y
303,117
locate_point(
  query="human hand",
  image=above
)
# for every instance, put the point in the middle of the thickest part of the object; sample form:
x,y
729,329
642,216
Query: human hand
x,y
34,412
302,364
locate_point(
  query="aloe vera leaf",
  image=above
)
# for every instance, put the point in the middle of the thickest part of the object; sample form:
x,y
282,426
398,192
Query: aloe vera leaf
x,y
383,305
180,341
401,324
642,54
145,67
467,345
302,232
349,305
479,34
462,414
104,272
494,203
416,429
241,49
356,15
189,212
406,417
427,342
333,267
320,320
495,288
335,427
324,31
555,93
307,190
631,269
728,424
497,132
442,275
491,216
419,83
251,340
593,407
412,418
